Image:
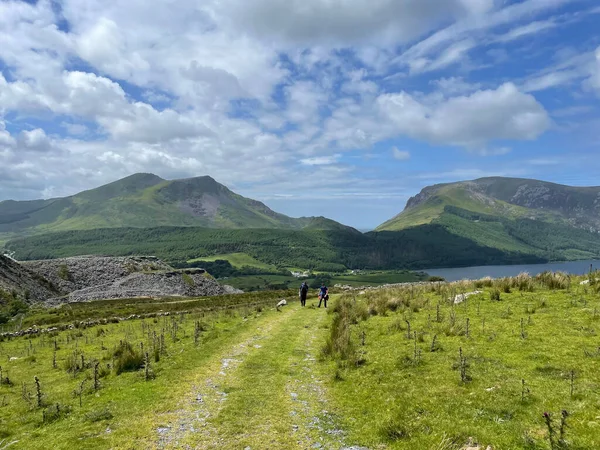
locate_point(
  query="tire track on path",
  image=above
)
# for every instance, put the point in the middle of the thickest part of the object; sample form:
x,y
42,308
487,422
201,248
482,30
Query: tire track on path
x,y
263,393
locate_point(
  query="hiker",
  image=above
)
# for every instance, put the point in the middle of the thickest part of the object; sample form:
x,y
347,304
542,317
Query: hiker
x,y
303,293
323,295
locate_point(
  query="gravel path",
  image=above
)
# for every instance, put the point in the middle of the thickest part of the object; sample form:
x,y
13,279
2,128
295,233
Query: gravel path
x,y
264,392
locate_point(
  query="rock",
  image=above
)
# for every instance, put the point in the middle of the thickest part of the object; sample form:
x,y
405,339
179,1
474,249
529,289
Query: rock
x,y
462,297
87,278
29,286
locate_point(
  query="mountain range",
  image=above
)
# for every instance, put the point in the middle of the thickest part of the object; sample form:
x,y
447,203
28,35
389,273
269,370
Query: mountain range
x,y
485,221
146,200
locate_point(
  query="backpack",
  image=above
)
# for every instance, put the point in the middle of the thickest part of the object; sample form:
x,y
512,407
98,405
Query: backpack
x,y
304,288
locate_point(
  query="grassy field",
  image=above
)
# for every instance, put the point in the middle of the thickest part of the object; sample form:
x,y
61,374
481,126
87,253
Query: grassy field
x,y
431,374
237,260
401,368
378,278
262,282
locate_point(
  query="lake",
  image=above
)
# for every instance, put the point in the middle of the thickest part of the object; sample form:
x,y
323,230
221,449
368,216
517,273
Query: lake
x,y
475,273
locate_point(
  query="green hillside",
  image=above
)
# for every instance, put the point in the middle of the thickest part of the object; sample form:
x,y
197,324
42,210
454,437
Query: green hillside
x,y
146,200
325,250
529,217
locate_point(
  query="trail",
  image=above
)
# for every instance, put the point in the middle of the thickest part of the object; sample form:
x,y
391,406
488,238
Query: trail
x,y
263,392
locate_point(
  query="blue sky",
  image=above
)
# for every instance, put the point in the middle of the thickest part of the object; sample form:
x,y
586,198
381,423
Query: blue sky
x,y
342,108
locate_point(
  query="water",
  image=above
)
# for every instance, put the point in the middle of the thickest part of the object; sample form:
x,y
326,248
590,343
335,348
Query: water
x,y
475,273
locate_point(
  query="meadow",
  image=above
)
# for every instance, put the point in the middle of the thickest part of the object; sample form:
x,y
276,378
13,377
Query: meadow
x,y
513,366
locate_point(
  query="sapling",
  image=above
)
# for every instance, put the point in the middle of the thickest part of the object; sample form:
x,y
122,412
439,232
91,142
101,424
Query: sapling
x,y
146,366
415,352
524,390
79,392
452,317
408,333
434,343
96,376
54,359
467,327
38,391
560,443
363,337
572,379
464,376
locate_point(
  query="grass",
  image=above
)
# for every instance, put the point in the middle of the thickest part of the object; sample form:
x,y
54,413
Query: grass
x,y
398,368
126,410
378,278
237,260
405,396
262,282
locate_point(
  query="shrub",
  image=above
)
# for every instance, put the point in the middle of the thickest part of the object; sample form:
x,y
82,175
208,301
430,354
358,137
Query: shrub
x,y
63,272
395,430
554,280
97,416
436,278
495,295
188,280
127,359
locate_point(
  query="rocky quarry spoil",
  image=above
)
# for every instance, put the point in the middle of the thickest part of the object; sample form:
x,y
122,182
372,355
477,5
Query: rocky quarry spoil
x,y
87,278
14,278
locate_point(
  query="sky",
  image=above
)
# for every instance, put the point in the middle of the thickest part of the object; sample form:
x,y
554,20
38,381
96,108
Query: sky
x,y
341,108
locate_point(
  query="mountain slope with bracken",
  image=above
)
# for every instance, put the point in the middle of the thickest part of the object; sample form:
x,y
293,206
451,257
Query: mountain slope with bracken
x,y
511,214
146,200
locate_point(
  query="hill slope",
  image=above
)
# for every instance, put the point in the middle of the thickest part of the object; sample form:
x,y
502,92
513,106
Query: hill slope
x,y
510,214
146,200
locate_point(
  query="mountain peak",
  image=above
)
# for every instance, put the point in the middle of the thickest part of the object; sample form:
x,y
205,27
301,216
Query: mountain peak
x,y
511,198
145,200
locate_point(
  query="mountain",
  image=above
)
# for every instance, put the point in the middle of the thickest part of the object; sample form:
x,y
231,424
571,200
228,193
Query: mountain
x,y
530,217
146,200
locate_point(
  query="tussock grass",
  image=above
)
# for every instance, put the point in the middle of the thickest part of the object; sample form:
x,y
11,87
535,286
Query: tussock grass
x,y
531,352
110,380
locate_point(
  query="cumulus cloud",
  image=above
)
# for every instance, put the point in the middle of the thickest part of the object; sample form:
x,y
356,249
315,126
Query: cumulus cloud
x,y
400,155
247,90
471,121
34,140
307,22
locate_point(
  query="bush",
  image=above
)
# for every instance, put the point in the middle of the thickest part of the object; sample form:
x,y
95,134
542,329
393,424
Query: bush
x,y
127,359
63,272
554,280
97,416
495,295
436,278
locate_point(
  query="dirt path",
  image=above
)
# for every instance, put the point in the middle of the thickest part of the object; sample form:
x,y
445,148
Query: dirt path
x,y
263,392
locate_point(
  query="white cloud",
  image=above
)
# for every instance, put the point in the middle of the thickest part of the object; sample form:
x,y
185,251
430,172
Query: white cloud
x,y
400,155
247,90
594,80
470,121
526,30
306,22
34,140
321,160
455,85
448,40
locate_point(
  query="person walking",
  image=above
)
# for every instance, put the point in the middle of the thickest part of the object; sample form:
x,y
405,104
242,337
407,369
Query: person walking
x,y
323,295
303,293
